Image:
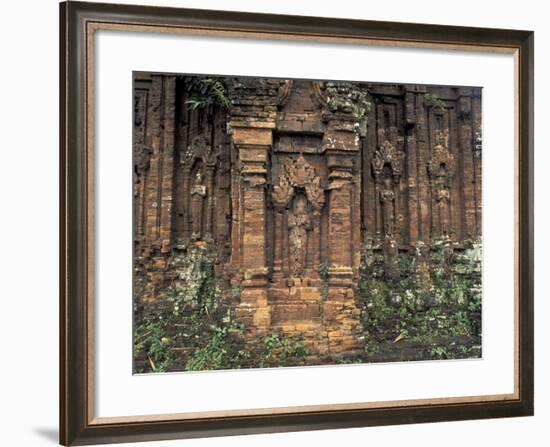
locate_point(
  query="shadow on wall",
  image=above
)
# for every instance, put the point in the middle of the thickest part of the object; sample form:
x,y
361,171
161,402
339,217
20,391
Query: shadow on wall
x,y
48,433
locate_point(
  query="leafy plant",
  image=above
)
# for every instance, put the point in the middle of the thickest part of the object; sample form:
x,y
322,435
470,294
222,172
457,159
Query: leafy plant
x,y
150,338
426,318
433,100
348,97
439,353
219,352
278,350
205,92
192,328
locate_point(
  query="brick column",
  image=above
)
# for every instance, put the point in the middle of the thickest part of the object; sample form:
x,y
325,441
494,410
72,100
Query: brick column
x,y
340,219
186,173
411,163
209,180
465,143
158,203
159,188
167,169
253,145
279,232
341,315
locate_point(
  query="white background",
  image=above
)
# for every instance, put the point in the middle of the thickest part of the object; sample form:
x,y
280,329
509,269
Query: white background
x,y
120,394
28,185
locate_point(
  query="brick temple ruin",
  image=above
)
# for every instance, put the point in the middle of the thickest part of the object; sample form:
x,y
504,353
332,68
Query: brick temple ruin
x,y
292,181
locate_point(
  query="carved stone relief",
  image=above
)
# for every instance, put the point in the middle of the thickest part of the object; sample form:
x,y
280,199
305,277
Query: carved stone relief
x,y
287,184
299,226
387,168
298,173
441,169
198,197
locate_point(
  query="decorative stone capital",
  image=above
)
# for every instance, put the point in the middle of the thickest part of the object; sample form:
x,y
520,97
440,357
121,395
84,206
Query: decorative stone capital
x,y
341,166
255,277
341,136
340,276
253,133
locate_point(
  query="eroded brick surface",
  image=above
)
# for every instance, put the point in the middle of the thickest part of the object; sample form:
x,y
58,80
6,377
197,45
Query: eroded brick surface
x,y
292,184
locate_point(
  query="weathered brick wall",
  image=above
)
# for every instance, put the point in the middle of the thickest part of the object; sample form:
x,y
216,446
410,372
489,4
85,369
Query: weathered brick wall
x,y
291,182
415,119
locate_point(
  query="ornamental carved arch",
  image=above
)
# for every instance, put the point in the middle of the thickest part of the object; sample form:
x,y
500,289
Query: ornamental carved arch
x,y
441,157
387,155
199,170
297,173
200,149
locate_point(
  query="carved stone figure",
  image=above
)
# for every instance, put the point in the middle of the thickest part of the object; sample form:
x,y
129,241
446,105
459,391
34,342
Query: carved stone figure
x,y
198,195
441,169
443,199
387,168
299,223
387,200
300,212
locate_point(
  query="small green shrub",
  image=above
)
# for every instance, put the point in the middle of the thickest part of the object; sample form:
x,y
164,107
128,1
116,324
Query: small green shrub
x,y
150,337
433,100
431,317
279,350
219,352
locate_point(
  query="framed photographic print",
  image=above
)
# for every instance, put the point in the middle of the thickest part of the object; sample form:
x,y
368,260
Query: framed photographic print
x,y
274,223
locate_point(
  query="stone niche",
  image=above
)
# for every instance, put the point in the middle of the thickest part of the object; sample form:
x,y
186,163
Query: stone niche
x,y
291,182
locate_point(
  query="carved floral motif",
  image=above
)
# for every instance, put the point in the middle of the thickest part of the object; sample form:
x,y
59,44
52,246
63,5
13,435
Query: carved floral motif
x,y
441,156
387,154
298,173
283,192
200,149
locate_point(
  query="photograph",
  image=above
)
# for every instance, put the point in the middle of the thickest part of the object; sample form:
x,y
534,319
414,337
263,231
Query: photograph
x,y
267,224
279,222
302,222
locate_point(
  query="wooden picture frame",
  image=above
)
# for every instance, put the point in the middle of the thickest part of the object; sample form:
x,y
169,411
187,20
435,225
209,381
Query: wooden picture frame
x,y
78,22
